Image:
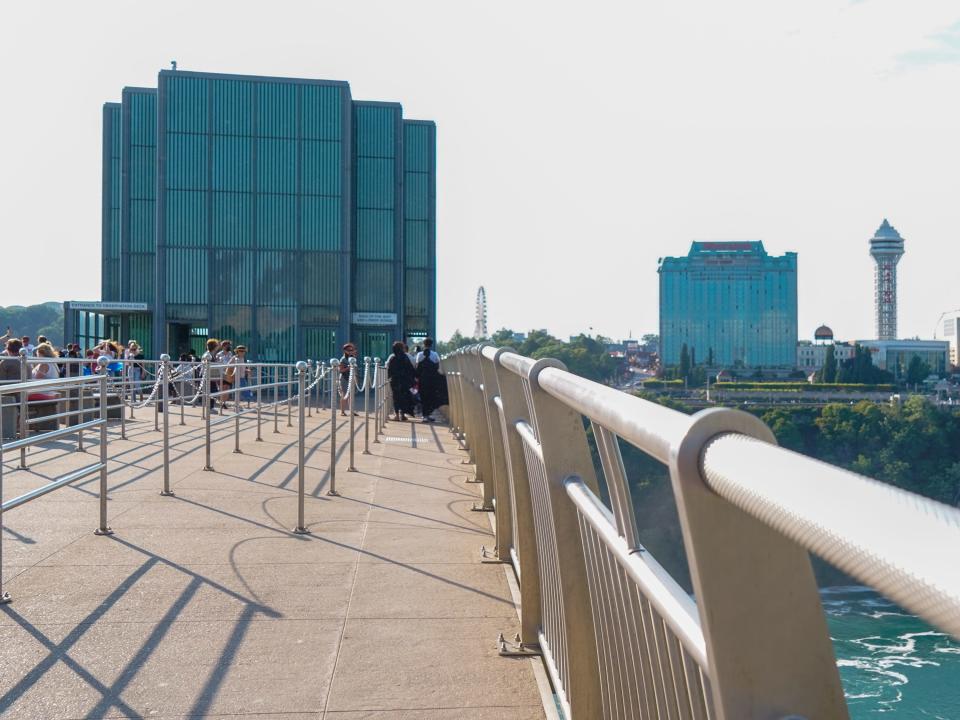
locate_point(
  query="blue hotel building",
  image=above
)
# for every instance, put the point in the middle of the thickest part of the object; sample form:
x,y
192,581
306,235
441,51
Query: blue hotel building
x,y
277,212
732,298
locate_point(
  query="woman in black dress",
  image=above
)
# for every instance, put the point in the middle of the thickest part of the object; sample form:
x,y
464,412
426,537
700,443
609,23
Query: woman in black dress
x,y
401,374
428,373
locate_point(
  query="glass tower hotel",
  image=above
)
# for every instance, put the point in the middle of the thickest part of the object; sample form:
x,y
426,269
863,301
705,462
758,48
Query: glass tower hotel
x,y
732,298
279,213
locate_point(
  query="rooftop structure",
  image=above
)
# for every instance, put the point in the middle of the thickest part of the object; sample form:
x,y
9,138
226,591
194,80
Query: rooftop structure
x,y
895,355
949,330
732,298
278,212
886,249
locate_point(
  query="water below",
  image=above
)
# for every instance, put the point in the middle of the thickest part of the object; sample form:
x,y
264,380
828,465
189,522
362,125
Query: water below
x,y
891,663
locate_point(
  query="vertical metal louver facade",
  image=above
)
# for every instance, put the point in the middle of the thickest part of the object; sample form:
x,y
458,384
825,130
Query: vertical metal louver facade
x,y
419,227
267,210
110,272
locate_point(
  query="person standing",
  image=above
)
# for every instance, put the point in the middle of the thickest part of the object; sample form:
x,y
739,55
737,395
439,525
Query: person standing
x,y
428,375
46,370
401,374
228,376
25,342
240,359
213,347
349,351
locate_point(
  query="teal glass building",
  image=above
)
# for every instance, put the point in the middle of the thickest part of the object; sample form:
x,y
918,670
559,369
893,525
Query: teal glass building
x,y
733,299
276,212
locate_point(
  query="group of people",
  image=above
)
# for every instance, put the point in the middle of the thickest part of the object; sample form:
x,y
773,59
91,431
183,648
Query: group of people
x,y
415,380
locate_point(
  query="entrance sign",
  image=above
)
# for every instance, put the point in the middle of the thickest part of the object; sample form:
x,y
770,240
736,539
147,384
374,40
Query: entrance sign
x,y
109,306
372,318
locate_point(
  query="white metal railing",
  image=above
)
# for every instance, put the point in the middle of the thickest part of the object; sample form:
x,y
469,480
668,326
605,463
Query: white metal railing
x,y
269,386
619,637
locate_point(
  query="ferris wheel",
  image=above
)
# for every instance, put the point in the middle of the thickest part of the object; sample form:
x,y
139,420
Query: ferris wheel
x,y
480,328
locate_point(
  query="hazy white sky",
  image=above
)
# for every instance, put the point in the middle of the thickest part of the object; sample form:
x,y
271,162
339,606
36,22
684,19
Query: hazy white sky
x,y
577,143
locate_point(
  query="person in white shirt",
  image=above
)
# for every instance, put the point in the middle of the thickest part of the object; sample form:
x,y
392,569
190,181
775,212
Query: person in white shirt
x,y
48,369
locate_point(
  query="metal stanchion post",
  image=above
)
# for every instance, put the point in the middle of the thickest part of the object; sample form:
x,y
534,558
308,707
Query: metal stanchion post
x,y
351,394
103,528
25,410
164,370
301,448
132,399
259,396
377,372
307,398
334,387
207,357
156,405
366,405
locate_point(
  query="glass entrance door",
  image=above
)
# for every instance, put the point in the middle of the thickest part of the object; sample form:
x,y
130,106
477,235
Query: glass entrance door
x,y
320,343
374,343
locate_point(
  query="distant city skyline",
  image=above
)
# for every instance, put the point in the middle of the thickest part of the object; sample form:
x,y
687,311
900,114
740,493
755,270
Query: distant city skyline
x,y
567,165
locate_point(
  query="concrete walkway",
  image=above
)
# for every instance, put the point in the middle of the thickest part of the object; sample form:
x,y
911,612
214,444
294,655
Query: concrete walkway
x,y
207,605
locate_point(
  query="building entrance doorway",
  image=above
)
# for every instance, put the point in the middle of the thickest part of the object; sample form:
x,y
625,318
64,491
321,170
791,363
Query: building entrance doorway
x,y
184,337
374,343
320,343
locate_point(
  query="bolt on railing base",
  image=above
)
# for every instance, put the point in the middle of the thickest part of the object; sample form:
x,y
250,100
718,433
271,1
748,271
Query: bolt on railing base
x,y
167,493
490,556
5,598
352,469
238,451
208,468
482,508
103,531
301,531
333,492
516,648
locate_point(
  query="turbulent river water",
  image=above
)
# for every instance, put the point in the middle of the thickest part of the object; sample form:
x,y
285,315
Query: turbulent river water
x,y
892,664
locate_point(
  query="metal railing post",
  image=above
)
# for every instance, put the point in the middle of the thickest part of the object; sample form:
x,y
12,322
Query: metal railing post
x,y
121,401
132,399
165,393
24,410
4,596
307,399
207,357
376,400
366,405
301,448
259,399
156,405
334,386
276,399
103,528
290,396
81,417
351,394
183,396
236,408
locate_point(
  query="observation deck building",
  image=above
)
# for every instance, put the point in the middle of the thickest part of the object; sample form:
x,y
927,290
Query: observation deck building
x,y
732,298
280,213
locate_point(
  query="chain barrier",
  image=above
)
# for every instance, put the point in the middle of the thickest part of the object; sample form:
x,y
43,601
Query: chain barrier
x,y
365,385
350,380
152,396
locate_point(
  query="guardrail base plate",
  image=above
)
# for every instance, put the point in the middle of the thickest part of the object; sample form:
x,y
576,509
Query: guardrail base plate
x,y
103,531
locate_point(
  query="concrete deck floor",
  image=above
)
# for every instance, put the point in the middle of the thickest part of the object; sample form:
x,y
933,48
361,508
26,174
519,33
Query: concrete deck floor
x,y
207,605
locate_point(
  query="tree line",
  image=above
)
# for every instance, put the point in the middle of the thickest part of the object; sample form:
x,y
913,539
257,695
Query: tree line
x,y
33,320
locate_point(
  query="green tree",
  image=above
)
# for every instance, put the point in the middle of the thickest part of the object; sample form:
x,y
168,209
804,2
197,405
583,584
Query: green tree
x,y
456,341
917,370
828,373
503,336
684,362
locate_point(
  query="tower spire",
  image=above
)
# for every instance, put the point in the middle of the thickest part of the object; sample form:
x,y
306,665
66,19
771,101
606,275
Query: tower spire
x,y
886,249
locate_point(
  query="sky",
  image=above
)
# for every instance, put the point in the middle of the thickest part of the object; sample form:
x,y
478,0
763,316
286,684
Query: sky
x,y
577,142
